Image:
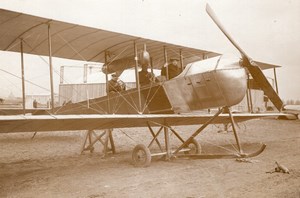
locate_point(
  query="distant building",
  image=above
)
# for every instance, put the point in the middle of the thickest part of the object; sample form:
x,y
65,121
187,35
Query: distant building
x,y
43,100
92,86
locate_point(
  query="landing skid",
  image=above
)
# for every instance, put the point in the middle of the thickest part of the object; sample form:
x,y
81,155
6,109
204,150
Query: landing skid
x,y
223,156
141,155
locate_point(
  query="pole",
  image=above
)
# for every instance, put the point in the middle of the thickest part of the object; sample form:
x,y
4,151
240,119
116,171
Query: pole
x,y
62,68
85,67
247,95
23,77
51,69
137,77
275,77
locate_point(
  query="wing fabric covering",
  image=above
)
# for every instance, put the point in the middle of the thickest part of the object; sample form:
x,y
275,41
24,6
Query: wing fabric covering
x,y
10,124
78,42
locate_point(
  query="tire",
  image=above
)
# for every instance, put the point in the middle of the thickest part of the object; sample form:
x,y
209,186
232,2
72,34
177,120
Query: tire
x,y
141,156
194,146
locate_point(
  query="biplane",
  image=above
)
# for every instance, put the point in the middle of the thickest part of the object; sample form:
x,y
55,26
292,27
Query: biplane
x,y
159,104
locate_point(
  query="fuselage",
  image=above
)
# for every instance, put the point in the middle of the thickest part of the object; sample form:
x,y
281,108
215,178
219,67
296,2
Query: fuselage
x,y
209,88
213,83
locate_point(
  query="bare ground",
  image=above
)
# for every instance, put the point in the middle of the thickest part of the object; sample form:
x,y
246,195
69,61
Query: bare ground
x,y
50,165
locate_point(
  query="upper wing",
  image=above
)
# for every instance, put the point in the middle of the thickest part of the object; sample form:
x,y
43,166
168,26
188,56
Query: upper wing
x,y
9,124
73,41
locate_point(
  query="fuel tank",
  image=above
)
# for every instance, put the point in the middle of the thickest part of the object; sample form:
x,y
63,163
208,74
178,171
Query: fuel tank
x,y
207,87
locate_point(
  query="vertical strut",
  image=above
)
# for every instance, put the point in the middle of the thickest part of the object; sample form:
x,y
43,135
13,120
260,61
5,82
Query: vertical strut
x,y
23,77
106,138
250,95
51,69
137,77
248,102
167,143
166,62
107,84
112,143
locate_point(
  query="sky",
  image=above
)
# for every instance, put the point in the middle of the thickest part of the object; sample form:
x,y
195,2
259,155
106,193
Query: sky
x,y
268,31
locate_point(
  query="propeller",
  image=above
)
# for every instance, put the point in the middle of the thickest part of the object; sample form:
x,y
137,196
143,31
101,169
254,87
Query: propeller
x,y
248,63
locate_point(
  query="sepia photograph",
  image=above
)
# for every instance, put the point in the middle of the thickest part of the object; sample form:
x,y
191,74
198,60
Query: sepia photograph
x,y
149,98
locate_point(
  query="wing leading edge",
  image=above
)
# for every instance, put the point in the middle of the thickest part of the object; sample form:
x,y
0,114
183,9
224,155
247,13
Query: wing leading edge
x,y
79,42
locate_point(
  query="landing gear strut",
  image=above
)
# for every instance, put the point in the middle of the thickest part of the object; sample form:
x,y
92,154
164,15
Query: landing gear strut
x,y
141,155
91,138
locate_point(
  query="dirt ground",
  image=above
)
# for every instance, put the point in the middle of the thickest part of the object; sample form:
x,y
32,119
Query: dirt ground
x,y
50,165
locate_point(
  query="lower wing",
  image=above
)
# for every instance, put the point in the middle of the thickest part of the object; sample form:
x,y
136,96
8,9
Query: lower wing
x,y
34,123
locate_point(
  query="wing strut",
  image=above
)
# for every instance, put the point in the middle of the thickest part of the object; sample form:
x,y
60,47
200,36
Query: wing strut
x,y
51,68
138,86
23,76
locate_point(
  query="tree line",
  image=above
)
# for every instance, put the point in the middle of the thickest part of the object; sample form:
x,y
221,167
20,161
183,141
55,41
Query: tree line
x,y
292,102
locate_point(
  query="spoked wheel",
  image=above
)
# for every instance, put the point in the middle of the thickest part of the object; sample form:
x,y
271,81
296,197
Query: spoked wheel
x,y
194,146
141,156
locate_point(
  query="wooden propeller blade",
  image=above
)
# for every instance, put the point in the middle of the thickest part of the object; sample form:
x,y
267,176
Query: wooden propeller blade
x,y
252,67
214,17
264,84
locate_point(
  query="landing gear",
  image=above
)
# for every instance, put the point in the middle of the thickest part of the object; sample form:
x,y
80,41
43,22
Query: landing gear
x,y
141,156
91,138
193,147
240,153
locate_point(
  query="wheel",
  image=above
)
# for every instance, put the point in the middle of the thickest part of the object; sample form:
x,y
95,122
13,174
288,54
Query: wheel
x,y
194,146
141,156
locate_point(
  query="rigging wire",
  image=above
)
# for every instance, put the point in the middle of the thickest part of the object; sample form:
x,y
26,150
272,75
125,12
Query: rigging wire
x,y
76,91
13,84
25,80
